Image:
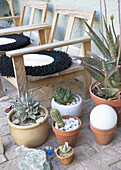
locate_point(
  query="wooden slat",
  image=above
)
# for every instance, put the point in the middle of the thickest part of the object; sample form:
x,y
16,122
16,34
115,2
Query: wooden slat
x,y
24,28
79,13
54,24
35,4
68,31
19,52
20,75
9,18
22,16
50,80
73,68
42,37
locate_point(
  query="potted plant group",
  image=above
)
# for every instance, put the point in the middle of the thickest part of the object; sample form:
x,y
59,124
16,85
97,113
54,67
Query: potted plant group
x,y
28,122
67,102
106,69
66,128
65,154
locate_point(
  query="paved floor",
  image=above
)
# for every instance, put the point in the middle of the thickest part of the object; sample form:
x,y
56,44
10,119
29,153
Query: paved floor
x,y
88,154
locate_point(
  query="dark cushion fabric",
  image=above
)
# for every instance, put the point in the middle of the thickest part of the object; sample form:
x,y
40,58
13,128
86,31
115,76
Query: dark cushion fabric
x,y
21,41
61,62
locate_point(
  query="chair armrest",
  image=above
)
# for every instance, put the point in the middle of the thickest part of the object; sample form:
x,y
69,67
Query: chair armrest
x,y
9,18
23,51
24,28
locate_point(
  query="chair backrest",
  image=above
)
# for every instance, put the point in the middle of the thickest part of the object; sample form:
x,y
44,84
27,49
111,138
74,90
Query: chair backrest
x,y
72,13
33,5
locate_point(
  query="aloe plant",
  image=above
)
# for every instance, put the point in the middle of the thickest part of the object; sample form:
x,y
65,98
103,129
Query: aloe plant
x,y
106,69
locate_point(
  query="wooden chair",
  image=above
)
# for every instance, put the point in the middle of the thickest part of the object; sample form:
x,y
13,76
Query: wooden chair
x,y
25,82
18,21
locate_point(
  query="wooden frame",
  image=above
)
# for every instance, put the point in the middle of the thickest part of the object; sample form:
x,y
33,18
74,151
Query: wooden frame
x,y
24,83
18,21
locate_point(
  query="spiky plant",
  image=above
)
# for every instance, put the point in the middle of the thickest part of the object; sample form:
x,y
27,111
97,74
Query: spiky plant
x,y
64,95
107,69
65,150
26,107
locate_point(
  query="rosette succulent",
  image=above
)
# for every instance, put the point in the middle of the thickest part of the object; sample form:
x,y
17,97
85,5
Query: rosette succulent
x,y
64,95
26,107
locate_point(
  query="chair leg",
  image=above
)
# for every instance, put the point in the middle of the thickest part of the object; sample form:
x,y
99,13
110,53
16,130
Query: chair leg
x,y
20,74
87,82
86,46
1,88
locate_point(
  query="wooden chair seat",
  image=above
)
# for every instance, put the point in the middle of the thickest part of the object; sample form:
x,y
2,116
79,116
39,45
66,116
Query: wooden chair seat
x,y
73,68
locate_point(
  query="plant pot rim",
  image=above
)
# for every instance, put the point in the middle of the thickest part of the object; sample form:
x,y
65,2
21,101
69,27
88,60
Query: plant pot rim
x,y
26,127
60,157
101,99
102,130
69,106
67,132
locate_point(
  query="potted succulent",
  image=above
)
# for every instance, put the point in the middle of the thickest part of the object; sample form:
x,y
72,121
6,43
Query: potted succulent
x,y
28,122
103,122
105,69
66,128
65,154
67,102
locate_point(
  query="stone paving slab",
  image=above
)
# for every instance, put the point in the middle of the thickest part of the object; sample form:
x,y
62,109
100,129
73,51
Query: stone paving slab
x,y
88,154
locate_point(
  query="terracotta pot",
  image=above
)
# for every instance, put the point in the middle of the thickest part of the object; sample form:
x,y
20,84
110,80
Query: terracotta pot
x,y
116,104
69,136
103,137
65,160
29,136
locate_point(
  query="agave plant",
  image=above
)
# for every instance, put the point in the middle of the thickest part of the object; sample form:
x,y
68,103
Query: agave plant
x,y
26,107
64,95
106,69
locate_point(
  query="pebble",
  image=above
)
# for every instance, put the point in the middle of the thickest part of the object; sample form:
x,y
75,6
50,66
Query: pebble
x,y
70,124
16,121
39,120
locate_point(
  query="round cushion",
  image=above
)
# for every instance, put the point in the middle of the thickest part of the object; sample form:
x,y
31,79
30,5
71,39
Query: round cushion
x,y
103,117
20,41
61,61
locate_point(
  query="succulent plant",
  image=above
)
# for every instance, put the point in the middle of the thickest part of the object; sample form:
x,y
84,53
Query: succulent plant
x,y
64,95
55,115
106,69
65,148
26,107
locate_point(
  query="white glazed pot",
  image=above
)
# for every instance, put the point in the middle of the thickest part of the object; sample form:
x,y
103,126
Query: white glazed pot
x,y
73,110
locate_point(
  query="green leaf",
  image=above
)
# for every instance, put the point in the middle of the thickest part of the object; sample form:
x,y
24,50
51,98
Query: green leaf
x,y
109,92
95,73
98,42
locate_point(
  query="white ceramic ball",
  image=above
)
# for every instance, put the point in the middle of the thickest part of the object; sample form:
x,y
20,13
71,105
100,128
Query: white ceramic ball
x,y
103,117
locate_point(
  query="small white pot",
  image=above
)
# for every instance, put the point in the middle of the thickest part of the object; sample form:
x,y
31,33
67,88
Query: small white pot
x,y
73,110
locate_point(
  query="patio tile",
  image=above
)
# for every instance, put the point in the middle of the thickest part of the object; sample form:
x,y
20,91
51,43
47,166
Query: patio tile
x,y
3,121
102,160
5,130
10,165
2,158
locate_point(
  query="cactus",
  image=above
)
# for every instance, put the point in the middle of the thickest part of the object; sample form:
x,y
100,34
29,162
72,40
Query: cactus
x,y
65,151
64,95
65,148
26,107
55,115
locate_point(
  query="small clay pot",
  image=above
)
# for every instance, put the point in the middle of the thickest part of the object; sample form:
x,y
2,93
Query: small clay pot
x,y
67,136
65,160
103,137
116,104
